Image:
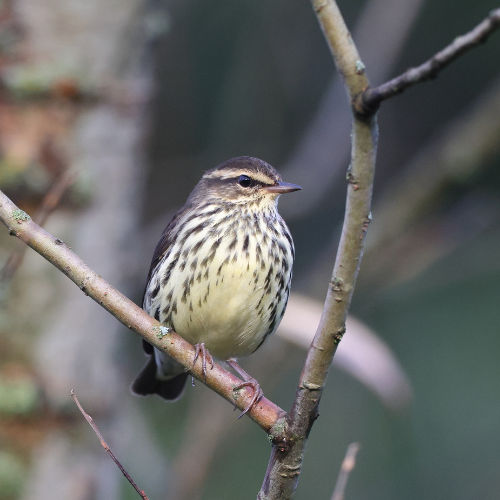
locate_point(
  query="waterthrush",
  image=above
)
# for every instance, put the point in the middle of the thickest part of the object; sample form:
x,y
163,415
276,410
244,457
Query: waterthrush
x,y
220,274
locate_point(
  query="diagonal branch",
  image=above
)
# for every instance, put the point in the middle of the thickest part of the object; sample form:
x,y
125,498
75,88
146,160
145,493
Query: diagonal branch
x,y
19,223
367,102
49,203
286,457
106,446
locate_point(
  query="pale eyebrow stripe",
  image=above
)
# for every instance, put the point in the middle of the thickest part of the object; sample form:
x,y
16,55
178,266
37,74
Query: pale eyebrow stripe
x,y
234,173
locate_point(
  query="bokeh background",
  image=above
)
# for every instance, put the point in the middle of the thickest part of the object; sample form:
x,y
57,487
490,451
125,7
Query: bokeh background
x,y
109,113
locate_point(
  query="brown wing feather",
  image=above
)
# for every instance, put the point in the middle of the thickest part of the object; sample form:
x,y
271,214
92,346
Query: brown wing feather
x,y
166,241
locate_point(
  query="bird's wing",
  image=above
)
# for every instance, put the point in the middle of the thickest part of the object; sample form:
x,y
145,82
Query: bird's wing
x,y
166,241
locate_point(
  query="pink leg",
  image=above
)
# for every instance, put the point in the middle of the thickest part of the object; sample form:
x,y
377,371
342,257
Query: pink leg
x,y
200,349
249,381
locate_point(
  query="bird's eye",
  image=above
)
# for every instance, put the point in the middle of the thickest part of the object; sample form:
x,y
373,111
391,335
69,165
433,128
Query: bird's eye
x,y
244,181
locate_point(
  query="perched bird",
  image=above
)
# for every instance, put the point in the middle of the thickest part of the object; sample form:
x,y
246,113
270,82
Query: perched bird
x,y
220,274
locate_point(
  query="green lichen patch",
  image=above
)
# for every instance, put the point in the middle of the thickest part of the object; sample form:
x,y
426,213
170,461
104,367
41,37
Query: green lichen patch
x,y
161,331
337,284
278,432
360,67
20,215
236,393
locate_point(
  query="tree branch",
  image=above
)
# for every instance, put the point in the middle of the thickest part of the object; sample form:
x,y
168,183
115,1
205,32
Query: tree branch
x,y
367,102
19,223
49,203
291,433
463,149
286,457
106,446
345,470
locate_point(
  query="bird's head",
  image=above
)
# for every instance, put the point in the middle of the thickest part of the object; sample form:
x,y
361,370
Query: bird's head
x,y
242,181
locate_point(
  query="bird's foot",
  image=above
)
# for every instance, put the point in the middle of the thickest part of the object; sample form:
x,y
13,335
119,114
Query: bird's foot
x,y
201,351
249,381
258,394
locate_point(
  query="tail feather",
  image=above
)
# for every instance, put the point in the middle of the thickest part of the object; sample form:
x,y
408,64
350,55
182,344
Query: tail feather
x,y
147,382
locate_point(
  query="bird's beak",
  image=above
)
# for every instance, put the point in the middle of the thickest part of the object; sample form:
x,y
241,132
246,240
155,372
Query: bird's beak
x,y
282,187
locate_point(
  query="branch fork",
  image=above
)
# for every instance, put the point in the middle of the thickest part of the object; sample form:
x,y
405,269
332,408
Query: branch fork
x,y
366,103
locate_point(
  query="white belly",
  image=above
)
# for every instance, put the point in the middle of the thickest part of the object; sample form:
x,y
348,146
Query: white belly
x,y
226,318
231,300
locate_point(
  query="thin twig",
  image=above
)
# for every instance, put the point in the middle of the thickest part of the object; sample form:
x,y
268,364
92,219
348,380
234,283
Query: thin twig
x,y
53,196
345,470
368,101
265,413
106,446
49,203
462,149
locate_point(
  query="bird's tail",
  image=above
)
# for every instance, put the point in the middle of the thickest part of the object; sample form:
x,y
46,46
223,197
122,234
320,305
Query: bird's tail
x,y
147,382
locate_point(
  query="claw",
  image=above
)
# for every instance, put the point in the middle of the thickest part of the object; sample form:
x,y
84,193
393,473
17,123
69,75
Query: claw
x,y
258,394
249,381
200,349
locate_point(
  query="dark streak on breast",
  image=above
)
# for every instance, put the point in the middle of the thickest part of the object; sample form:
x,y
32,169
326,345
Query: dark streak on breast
x,y
155,291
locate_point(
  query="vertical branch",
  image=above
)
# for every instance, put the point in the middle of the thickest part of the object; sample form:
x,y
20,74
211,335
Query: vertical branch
x,y
345,470
286,457
342,47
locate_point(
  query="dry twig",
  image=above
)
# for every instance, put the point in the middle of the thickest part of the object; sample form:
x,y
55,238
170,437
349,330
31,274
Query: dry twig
x,y
345,470
49,203
106,446
367,102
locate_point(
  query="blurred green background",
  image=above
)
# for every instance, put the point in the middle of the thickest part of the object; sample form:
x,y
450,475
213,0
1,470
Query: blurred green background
x,y
142,97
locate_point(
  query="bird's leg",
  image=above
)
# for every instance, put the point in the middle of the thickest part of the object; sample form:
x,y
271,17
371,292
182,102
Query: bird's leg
x,y
249,381
200,349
